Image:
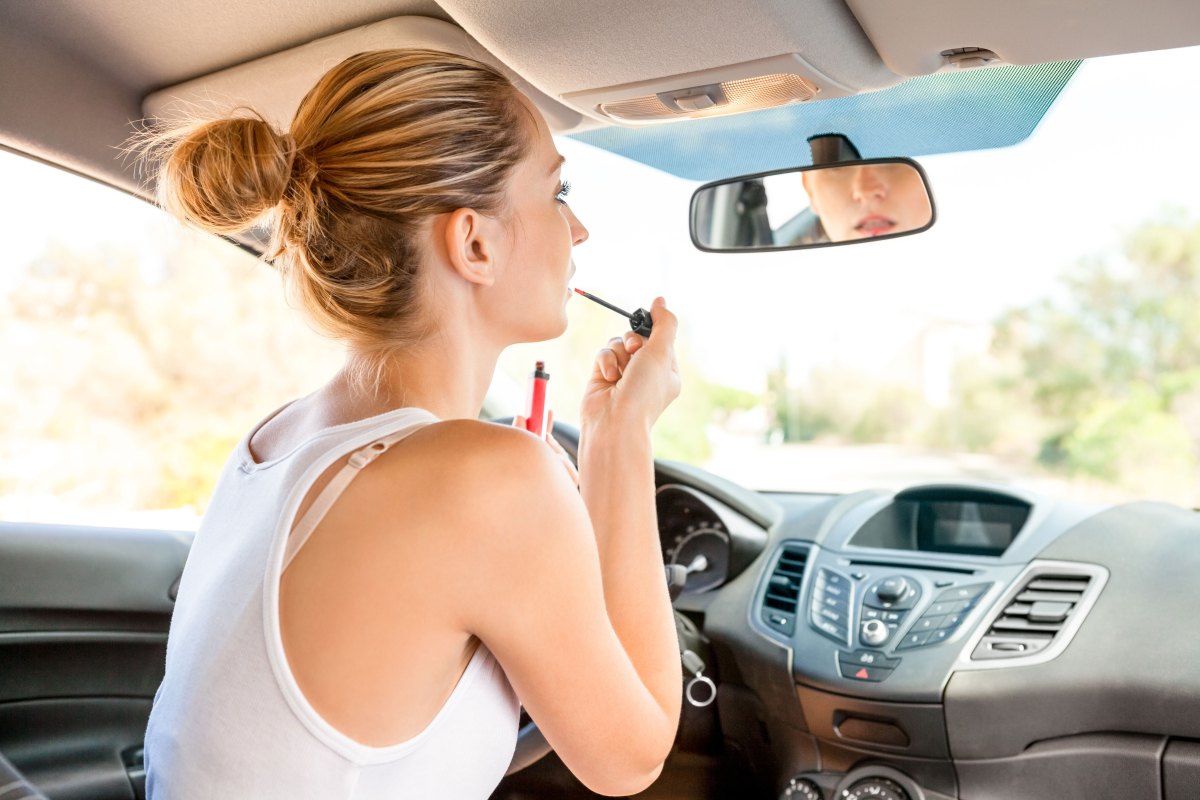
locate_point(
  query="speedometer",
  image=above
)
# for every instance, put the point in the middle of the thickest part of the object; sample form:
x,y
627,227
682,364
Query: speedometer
x,y
694,536
874,789
704,552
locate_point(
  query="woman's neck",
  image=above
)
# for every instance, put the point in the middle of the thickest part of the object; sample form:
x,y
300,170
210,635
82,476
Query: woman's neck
x,y
440,375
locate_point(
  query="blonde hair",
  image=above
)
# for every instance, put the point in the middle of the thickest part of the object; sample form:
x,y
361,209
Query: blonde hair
x,y
385,140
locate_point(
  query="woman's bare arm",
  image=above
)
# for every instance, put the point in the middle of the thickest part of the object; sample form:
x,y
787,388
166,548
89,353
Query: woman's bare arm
x,y
603,690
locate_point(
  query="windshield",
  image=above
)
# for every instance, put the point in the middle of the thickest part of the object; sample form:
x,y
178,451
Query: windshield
x,y
1041,335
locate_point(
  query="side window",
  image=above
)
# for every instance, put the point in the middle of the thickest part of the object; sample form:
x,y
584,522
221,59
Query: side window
x,y
136,354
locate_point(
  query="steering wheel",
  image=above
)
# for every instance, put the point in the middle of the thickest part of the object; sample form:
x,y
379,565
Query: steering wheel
x,y
531,744
11,780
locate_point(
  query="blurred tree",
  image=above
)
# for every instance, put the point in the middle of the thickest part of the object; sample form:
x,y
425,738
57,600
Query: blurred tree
x,y
132,376
1110,369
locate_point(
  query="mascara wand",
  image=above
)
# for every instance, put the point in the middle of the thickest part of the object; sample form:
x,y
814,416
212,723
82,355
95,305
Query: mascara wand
x,y
639,321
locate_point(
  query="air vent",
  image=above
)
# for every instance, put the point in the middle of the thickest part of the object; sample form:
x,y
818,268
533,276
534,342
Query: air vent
x,y
1031,620
783,590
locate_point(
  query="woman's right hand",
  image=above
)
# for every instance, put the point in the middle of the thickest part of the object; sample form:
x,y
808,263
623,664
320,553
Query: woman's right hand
x,y
634,378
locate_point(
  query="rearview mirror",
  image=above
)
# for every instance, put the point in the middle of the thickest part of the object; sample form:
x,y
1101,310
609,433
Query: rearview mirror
x,y
842,203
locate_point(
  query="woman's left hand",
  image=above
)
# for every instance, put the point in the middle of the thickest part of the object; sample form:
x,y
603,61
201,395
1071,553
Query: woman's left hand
x,y
548,437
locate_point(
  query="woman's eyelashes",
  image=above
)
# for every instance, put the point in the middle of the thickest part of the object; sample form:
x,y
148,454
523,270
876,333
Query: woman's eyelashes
x,y
564,188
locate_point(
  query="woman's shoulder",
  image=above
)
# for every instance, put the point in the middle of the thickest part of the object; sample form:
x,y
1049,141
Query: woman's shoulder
x,y
470,457
461,482
458,439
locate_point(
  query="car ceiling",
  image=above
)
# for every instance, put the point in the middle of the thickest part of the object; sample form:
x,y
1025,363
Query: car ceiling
x,y
74,73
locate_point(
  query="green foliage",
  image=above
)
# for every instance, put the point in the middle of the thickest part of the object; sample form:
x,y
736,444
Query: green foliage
x,y
681,433
1105,379
1118,437
130,380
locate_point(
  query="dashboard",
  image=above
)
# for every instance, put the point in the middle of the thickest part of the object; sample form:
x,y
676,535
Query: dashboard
x,y
944,641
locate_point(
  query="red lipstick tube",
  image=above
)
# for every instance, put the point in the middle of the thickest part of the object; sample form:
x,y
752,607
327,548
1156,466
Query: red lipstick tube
x,y
535,415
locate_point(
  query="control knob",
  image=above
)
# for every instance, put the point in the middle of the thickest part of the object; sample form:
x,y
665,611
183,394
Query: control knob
x,y
874,633
892,589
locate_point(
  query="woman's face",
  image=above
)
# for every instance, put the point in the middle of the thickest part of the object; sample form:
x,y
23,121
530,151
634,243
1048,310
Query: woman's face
x,y
543,230
861,201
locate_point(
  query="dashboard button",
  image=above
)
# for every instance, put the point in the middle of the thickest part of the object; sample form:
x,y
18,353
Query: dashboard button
x,y
960,606
859,672
940,635
964,592
951,621
944,607
892,616
872,613
928,624
914,640
868,658
837,632
839,592
833,616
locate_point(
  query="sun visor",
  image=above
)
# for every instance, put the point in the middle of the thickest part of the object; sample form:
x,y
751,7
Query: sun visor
x,y
932,35
274,85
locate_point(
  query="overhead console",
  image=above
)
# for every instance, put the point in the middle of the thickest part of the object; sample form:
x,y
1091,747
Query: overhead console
x,y
659,65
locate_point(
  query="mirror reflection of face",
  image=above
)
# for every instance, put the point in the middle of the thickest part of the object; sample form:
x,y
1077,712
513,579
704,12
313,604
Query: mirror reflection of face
x,y
863,201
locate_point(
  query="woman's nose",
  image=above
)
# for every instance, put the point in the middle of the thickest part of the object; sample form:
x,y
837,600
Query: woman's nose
x,y
579,234
869,184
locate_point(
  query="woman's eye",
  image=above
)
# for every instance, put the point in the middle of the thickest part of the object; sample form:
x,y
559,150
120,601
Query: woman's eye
x,y
564,188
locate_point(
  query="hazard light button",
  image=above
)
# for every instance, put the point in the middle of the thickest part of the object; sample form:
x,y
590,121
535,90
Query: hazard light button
x,y
861,672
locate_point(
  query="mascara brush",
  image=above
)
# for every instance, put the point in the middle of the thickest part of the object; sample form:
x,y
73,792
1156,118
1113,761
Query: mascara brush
x,y
639,321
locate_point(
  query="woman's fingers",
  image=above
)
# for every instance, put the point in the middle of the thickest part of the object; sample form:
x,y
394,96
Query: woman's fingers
x,y
519,422
613,358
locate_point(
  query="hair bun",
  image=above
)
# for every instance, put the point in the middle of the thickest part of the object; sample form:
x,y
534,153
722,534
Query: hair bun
x,y
224,174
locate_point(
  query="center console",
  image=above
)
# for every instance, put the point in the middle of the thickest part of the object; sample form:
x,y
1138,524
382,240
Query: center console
x,y
896,596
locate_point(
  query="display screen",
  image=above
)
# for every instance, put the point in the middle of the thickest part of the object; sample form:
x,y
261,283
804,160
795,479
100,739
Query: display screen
x,y
981,523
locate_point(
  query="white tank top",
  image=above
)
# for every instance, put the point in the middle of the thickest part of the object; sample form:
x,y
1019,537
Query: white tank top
x,y
229,720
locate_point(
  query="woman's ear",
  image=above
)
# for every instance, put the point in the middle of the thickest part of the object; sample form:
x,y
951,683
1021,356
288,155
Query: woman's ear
x,y
471,241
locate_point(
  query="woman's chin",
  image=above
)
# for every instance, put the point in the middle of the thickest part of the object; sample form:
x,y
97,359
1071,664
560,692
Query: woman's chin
x,y
544,333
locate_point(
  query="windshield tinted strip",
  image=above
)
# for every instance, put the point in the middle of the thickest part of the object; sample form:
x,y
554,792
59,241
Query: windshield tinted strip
x,y
944,113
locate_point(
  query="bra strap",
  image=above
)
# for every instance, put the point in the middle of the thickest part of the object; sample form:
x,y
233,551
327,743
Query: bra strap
x,y
329,495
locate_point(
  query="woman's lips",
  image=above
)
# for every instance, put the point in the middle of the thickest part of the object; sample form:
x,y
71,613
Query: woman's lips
x,y
875,225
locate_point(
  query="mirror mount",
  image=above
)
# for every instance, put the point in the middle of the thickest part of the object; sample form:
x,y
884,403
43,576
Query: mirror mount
x,y
832,148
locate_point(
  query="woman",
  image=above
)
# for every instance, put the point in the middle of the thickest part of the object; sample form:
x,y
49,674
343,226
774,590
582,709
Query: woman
x,y
861,201
380,576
